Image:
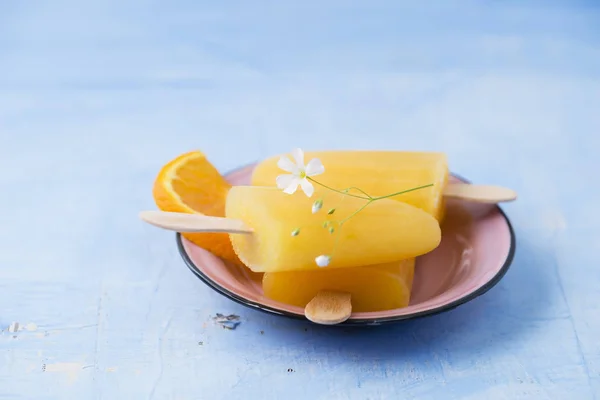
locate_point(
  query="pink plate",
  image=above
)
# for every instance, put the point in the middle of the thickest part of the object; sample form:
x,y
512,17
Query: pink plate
x,y
477,248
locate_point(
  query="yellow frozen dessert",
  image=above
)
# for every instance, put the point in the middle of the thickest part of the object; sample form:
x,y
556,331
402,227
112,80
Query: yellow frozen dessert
x,y
377,173
289,236
373,288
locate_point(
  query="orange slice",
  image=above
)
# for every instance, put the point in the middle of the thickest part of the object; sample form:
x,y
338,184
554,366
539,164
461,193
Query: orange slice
x,y
191,184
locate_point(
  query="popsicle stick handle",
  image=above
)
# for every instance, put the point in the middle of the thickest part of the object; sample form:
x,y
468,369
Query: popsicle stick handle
x,y
479,193
193,223
329,308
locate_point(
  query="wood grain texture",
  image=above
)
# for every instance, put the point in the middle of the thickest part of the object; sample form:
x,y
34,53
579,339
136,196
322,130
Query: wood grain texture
x,y
329,308
96,96
480,193
181,222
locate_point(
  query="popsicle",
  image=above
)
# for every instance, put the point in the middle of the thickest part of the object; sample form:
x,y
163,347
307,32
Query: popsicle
x,y
371,288
288,236
383,172
376,172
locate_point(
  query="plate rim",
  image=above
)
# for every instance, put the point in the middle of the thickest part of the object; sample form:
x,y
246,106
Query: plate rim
x,y
493,281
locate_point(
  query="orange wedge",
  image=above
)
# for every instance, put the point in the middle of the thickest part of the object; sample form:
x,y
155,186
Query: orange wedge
x,y
191,184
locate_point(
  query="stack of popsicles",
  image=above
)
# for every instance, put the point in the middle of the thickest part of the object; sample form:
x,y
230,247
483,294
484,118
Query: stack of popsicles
x,y
375,255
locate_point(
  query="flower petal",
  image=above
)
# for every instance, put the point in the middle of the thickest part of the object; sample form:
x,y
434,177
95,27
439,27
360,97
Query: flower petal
x,y
287,165
293,186
314,167
298,155
283,181
307,187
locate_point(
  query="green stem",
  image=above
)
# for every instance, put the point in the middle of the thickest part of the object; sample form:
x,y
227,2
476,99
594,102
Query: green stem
x,y
360,190
337,191
342,222
402,192
355,212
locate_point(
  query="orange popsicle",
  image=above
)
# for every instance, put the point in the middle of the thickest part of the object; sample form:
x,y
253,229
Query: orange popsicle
x,y
378,173
372,288
288,236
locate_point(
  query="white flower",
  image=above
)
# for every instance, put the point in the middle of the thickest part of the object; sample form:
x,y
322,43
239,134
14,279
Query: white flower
x,y
323,260
298,173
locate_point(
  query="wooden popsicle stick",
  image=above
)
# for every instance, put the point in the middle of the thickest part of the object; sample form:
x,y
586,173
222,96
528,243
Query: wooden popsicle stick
x,y
194,223
479,193
329,308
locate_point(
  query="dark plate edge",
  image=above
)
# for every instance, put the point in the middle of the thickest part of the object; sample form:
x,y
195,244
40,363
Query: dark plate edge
x,y
359,322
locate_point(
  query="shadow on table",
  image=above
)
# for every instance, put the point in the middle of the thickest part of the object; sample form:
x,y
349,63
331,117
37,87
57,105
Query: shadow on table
x,y
515,308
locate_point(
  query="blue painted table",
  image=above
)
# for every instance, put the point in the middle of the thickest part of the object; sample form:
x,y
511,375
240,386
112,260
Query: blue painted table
x,y
96,96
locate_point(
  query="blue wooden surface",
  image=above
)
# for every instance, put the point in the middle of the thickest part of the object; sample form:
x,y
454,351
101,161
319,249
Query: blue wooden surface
x,y
96,96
